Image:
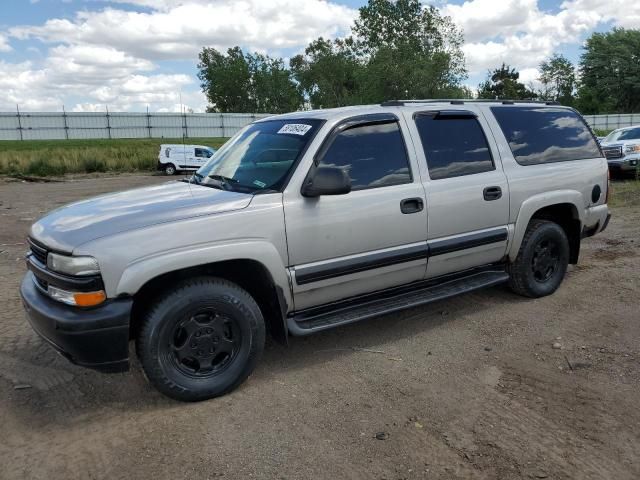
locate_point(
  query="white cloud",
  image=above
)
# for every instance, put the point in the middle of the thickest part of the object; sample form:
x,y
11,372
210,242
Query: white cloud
x,y
178,30
517,32
48,88
117,57
113,56
4,44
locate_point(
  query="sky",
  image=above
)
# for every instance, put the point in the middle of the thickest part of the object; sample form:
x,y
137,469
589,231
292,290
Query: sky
x,y
130,55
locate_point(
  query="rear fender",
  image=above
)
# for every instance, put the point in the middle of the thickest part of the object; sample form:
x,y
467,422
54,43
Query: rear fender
x,y
530,206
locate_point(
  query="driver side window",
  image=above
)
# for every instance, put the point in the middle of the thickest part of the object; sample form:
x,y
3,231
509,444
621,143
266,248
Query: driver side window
x,y
374,155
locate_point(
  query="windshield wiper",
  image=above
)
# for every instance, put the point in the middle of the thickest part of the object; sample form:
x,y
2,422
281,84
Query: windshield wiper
x,y
225,181
222,178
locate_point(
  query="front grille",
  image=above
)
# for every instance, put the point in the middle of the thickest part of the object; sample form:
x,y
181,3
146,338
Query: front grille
x,y
613,152
38,252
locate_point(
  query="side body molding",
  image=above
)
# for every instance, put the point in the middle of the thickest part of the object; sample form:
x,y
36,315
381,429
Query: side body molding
x,y
532,204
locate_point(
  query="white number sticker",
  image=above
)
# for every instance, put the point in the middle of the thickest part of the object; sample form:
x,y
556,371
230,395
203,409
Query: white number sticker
x,y
295,128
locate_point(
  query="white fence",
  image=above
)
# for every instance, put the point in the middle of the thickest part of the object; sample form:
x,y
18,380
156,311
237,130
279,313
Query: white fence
x,y
60,125
612,121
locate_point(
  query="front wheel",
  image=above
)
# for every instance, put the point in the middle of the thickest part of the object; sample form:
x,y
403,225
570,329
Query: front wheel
x,y
202,340
170,169
542,260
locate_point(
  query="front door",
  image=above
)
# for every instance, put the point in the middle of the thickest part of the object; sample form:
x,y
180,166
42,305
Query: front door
x,y
369,239
467,190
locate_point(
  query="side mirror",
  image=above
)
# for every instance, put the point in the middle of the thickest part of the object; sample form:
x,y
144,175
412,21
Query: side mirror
x,y
326,181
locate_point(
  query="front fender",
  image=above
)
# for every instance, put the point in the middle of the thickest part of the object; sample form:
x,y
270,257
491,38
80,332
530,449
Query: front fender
x,y
137,273
532,204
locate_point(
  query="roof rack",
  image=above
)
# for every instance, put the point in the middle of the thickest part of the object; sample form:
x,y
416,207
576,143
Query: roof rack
x,y
462,101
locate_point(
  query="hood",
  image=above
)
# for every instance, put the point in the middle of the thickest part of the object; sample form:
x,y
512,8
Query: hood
x,y
70,226
620,143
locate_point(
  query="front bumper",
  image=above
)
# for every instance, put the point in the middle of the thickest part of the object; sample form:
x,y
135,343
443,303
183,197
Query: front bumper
x,y
96,337
629,164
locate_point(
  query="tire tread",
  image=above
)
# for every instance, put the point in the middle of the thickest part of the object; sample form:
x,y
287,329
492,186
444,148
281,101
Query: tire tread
x,y
152,368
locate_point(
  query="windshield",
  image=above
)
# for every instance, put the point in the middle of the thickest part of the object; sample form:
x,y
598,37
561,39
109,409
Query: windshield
x,y
630,134
612,137
259,157
618,135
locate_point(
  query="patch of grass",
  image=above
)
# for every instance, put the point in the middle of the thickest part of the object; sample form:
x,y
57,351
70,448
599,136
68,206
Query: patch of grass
x,y
625,193
602,132
57,157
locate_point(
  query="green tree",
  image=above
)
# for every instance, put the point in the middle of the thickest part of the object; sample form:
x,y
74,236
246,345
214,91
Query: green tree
x,y
503,83
274,90
412,51
399,50
225,80
239,82
558,80
329,73
610,73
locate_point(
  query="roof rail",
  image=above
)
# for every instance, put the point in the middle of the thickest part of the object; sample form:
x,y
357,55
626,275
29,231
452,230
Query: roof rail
x,y
462,101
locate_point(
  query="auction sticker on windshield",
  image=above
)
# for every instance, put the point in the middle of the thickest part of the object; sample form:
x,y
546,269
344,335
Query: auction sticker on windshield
x,y
295,128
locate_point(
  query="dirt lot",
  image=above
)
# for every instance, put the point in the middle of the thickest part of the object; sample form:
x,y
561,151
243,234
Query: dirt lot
x,y
467,388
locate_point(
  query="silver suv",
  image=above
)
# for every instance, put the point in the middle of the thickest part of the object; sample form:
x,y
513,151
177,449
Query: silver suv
x,y
311,220
622,149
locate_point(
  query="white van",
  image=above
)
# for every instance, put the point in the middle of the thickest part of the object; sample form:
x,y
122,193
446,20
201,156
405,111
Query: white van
x,y
175,158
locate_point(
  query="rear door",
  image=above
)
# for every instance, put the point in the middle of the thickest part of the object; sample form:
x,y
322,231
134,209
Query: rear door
x,y
369,239
466,188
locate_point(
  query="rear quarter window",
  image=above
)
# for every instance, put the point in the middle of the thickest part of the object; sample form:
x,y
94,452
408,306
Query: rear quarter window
x,y
538,135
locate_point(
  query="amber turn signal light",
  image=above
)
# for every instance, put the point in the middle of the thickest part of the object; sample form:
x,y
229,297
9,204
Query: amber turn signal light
x,y
89,299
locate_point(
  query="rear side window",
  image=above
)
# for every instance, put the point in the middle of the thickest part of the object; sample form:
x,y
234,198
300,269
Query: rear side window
x,y
545,134
374,155
453,145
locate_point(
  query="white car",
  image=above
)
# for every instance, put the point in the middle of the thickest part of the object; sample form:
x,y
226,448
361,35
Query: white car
x,y
175,158
622,149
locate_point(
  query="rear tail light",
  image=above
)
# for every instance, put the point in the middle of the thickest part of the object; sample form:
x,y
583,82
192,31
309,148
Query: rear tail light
x,y
606,197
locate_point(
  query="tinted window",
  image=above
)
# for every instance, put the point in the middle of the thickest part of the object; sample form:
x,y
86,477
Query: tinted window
x,y
454,146
631,134
372,155
544,135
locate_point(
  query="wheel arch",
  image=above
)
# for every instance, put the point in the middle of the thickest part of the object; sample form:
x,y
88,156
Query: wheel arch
x,y
562,208
256,267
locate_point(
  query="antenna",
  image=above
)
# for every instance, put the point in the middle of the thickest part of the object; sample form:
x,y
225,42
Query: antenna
x,y
184,147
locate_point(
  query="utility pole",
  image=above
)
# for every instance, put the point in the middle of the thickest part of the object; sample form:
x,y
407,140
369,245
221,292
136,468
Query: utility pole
x,y
19,122
66,127
108,122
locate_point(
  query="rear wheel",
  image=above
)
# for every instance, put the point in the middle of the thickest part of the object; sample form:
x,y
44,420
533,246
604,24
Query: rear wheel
x,y
170,169
542,260
202,340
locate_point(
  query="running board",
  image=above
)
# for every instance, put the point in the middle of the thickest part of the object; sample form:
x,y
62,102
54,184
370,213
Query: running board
x,y
380,303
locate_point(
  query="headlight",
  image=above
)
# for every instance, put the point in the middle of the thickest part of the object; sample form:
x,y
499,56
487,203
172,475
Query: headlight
x,y
632,148
77,266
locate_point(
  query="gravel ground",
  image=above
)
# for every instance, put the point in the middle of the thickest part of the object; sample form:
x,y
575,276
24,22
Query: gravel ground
x,y
466,388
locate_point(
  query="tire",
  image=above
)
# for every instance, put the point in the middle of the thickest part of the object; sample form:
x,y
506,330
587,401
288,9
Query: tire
x,y
202,340
542,260
170,169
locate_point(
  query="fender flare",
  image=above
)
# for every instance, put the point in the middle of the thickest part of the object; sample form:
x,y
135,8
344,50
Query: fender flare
x,y
532,204
143,270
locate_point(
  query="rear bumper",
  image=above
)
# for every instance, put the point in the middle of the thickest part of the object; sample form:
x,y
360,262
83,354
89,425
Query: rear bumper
x,y
96,338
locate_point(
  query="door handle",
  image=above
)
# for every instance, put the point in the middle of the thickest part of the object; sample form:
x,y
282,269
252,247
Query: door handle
x,y
492,193
411,205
